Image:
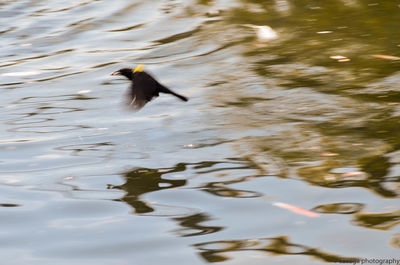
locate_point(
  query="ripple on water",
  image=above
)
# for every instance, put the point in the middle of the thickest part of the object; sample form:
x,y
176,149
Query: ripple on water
x,y
219,250
81,182
339,208
49,129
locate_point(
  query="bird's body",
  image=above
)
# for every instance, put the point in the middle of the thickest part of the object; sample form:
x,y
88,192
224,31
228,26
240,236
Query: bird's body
x,y
143,87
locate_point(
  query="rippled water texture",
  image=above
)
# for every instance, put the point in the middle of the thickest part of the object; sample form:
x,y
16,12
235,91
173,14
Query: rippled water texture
x,y
288,151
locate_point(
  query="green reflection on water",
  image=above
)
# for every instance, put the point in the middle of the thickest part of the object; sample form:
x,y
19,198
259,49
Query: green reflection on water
x,y
217,251
381,221
348,108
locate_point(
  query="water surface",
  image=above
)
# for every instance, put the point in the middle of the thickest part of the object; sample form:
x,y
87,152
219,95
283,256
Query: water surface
x,y
288,150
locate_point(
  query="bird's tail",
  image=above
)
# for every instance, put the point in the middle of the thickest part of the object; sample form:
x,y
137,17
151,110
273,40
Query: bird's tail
x,y
169,91
179,96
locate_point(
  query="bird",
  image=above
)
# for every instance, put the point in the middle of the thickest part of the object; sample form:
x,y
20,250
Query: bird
x,y
143,87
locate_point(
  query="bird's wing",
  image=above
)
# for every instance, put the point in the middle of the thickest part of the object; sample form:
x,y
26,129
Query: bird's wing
x,y
142,90
137,98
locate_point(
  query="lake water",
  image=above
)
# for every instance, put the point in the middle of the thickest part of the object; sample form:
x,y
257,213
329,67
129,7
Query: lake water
x,y
288,150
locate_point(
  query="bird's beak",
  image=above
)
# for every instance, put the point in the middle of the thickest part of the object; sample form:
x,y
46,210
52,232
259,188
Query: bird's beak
x,y
116,73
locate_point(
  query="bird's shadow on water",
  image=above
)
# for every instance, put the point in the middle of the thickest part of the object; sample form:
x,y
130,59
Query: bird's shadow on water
x,y
141,181
145,180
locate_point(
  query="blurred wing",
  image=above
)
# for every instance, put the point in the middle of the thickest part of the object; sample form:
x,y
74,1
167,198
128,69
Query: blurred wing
x,y
136,99
142,90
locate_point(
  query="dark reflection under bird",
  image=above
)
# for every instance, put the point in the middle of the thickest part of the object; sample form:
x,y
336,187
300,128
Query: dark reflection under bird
x,y
141,181
143,87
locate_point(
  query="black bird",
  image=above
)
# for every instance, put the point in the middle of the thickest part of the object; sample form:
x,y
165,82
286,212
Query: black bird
x,y
143,87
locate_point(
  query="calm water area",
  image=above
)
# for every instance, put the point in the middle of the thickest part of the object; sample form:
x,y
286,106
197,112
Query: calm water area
x,y
288,151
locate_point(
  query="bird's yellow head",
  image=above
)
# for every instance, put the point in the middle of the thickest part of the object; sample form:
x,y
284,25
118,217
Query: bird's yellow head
x,y
139,68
